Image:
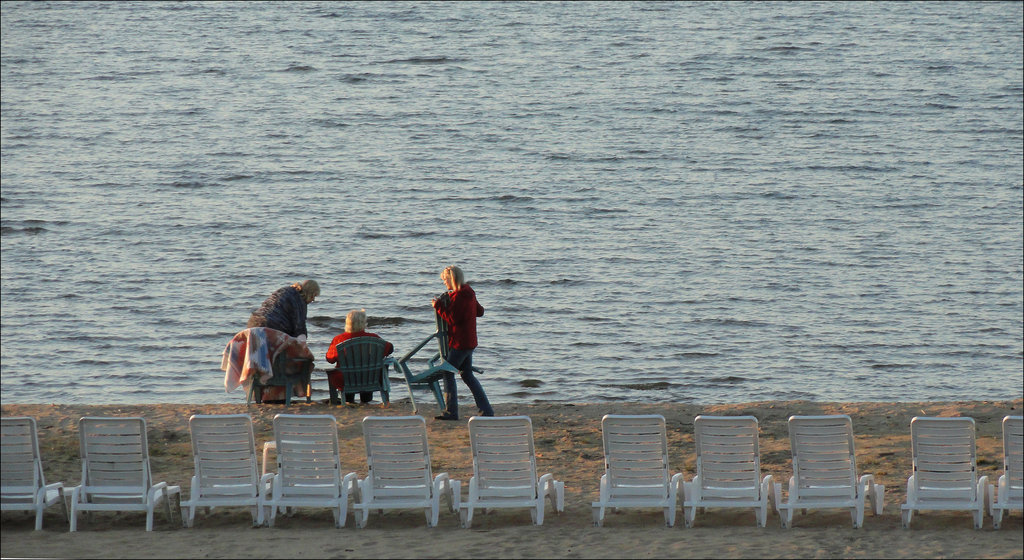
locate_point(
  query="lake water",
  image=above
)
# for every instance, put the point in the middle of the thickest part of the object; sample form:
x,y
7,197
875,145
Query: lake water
x,y
655,202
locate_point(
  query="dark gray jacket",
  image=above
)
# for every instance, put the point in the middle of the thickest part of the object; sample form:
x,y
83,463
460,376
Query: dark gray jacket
x,y
284,310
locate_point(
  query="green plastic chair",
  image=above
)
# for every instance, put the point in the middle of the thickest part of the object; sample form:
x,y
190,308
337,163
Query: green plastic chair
x,y
362,366
287,373
429,378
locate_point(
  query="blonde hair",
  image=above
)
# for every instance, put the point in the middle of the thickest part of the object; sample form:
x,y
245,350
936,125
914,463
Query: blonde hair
x,y
308,288
355,321
458,278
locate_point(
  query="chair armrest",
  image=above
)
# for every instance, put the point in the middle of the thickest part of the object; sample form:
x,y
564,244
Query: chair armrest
x,y
409,354
349,482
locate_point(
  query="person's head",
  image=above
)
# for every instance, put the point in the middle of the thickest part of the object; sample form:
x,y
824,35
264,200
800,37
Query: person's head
x,y
355,321
309,289
453,277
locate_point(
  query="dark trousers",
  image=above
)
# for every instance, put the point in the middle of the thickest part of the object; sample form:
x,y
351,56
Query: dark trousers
x,y
463,359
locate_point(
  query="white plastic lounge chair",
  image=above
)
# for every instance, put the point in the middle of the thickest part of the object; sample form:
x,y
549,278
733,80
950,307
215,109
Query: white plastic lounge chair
x,y
728,468
399,470
636,472
505,470
945,469
308,466
22,484
825,470
224,449
1009,495
116,475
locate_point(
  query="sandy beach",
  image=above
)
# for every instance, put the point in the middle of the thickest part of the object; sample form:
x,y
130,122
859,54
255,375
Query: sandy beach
x,y
568,444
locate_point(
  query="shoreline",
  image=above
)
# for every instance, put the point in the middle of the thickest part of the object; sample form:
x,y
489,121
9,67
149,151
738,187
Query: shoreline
x,y
568,444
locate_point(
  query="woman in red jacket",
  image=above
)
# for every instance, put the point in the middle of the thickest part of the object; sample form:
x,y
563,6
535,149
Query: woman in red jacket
x,y
459,309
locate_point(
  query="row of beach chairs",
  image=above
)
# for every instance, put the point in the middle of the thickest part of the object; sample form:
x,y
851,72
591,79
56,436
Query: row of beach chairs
x,y
116,473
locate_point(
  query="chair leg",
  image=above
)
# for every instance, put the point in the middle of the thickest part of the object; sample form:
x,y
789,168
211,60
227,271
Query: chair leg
x,y
466,516
762,515
537,511
73,514
906,516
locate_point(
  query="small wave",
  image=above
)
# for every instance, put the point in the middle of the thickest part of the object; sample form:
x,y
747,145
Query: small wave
x,y
731,322
499,282
785,49
388,235
727,380
388,321
699,354
31,230
236,177
513,198
331,123
656,386
420,60
188,184
776,195
891,366
300,68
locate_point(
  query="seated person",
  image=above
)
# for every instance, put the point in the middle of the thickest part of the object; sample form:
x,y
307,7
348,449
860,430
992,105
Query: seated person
x,y
355,326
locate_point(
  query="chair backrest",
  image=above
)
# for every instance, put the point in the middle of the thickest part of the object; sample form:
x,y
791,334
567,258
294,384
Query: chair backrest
x,y
224,449
442,335
635,454
1013,454
504,462
824,463
945,458
21,471
361,361
308,459
115,455
728,459
398,456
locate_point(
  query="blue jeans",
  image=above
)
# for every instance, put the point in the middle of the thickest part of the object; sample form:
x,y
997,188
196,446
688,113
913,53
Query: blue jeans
x,y
463,359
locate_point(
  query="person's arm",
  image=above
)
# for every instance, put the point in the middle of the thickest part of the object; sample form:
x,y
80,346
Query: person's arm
x,y
332,351
300,314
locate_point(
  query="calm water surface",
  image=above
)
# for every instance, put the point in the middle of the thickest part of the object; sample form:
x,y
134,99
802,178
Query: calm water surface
x,y
672,202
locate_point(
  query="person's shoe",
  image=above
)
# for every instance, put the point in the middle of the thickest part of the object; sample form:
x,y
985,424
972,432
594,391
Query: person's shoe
x,y
446,417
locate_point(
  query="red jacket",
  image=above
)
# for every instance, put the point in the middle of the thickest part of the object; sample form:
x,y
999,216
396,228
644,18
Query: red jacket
x,y
460,312
332,352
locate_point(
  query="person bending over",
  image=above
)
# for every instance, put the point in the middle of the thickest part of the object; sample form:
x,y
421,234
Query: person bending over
x,y
285,309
